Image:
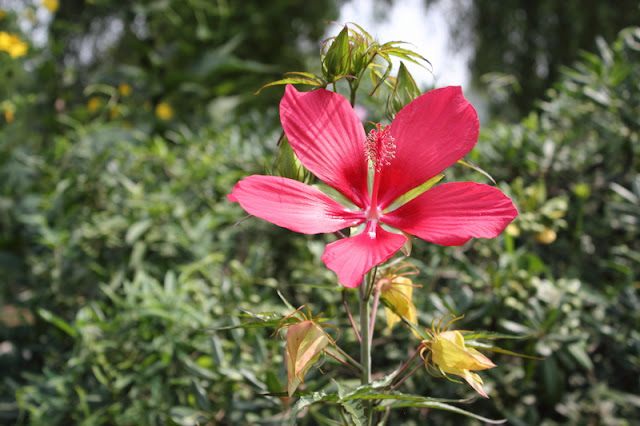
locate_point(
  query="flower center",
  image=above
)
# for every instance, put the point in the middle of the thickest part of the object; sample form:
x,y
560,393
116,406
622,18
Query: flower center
x,y
379,147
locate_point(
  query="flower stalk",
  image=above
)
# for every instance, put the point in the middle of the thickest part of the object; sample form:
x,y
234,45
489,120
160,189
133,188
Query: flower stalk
x,y
365,343
365,335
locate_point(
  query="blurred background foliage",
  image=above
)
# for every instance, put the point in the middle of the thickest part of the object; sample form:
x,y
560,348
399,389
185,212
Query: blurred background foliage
x,y
518,47
124,127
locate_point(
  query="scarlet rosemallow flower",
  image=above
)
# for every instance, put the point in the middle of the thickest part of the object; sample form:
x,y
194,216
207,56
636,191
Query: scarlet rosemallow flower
x,y
428,135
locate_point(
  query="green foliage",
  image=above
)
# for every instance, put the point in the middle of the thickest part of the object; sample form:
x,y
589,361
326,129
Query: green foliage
x,y
567,274
129,290
519,47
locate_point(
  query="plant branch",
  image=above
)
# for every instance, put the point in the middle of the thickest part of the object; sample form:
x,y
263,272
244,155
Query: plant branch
x,y
351,320
404,368
342,361
374,312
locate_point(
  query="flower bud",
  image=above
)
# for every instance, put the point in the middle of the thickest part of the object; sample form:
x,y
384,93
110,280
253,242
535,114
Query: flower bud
x,y
451,356
337,61
305,342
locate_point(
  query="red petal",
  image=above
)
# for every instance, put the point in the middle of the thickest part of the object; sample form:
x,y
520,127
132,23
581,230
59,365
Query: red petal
x,y
328,138
352,257
431,133
292,205
452,213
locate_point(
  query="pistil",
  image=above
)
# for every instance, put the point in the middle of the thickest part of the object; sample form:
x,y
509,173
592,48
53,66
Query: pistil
x,y
379,150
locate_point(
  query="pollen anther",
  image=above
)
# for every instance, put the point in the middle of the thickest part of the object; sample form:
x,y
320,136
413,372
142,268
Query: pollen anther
x,y
379,148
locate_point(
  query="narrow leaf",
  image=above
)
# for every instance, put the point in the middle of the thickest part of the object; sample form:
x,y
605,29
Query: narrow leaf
x,y
52,318
302,78
476,168
438,406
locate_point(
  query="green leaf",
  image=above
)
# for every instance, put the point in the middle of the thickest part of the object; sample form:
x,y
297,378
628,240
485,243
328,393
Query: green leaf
x,y
136,230
267,319
307,400
436,406
52,318
399,396
476,168
297,78
483,346
469,335
186,416
579,353
391,48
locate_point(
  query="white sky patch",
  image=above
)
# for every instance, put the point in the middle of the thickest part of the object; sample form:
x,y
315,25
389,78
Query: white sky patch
x,y
426,31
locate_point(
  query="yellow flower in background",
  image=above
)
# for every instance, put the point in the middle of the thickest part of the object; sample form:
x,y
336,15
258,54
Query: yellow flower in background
x,y
546,236
9,115
2,13
12,44
114,112
124,89
512,230
93,104
164,111
52,5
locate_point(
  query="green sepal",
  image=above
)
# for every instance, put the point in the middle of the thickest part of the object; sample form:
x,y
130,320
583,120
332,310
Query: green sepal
x,y
410,195
288,165
337,61
336,196
404,91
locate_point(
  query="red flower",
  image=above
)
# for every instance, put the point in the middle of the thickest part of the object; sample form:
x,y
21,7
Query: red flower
x,y
427,136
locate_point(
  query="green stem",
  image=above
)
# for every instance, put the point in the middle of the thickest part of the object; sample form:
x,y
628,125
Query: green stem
x,y
365,344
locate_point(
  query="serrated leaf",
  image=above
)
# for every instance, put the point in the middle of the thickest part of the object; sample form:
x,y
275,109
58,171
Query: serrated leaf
x,y
307,400
355,411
